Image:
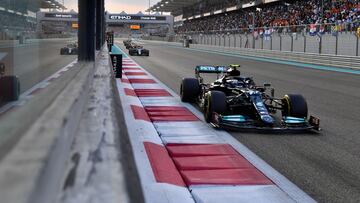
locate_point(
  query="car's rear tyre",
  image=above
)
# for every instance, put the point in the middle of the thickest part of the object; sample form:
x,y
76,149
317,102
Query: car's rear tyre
x,y
294,105
189,89
215,102
9,88
62,52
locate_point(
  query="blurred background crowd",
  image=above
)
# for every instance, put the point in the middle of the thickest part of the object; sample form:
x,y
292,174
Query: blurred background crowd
x,y
281,13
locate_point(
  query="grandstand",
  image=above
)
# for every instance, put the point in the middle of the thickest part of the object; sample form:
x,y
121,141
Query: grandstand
x,y
56,24
19,17
230,15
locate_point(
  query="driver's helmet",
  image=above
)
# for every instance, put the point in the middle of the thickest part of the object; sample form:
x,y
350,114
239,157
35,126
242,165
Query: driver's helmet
x,y
234,82
232,71
2,69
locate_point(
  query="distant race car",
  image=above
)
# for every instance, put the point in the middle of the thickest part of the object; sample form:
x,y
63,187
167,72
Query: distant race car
x,y
131,45
236,102
9,86
139,51
70,49
127,43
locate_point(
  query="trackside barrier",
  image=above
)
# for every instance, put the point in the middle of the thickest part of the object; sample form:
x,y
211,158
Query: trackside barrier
x,y
351,62
341,61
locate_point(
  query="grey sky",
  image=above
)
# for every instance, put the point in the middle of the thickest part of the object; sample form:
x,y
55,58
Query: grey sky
x,y
116,6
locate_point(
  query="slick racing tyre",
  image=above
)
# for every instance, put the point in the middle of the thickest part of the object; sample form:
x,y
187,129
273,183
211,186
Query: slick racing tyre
x,y
9,88
294,105
215,101
189,89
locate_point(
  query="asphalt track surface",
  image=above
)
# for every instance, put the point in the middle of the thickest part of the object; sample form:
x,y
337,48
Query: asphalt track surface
x,y
324,165
34,62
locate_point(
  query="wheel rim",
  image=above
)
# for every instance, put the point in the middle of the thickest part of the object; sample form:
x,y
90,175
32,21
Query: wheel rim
x,y
207,106
286,107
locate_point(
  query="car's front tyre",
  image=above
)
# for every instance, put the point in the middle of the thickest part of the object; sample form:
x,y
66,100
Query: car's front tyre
x,y
215,102
294,105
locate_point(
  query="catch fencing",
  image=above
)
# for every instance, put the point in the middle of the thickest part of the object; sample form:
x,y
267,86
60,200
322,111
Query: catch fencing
x,y
327,39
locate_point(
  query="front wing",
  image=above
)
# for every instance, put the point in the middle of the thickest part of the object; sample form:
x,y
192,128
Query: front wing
x,y
239,122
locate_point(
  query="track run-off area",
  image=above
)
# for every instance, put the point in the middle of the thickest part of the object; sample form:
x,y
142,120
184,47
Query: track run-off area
x,y
326,164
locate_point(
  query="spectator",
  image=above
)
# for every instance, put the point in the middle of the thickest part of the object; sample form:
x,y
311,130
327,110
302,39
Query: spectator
x,y
283,13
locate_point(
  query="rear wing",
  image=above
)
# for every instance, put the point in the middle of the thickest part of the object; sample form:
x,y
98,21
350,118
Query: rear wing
x,y
210,69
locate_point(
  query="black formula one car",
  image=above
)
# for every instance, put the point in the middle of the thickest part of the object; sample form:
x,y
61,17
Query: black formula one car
x,y
127,43
132,45
9,86
236,102
70,49
139,51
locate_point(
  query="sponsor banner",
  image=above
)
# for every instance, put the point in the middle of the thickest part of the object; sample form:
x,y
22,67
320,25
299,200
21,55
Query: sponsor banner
x,y
61,15
75,25
267,34
334,30
135,17
261,33
135,27
313,30
256,34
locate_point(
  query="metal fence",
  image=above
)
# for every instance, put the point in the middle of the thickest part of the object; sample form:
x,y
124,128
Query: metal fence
x,y
320,39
